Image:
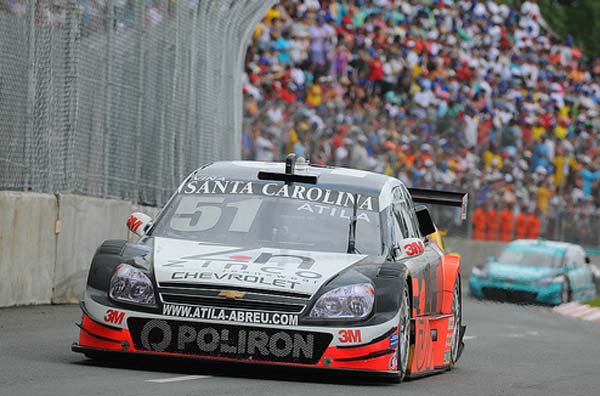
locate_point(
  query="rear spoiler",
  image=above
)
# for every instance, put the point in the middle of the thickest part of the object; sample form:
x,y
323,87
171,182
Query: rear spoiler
x,y
437,197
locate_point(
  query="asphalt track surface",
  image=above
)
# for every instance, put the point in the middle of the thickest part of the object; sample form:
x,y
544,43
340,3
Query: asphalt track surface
x,y
510,350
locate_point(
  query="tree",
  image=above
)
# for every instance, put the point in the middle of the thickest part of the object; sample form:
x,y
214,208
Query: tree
x,y
579,18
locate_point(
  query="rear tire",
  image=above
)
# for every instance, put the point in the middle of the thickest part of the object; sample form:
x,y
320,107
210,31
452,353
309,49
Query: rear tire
x,y
457,313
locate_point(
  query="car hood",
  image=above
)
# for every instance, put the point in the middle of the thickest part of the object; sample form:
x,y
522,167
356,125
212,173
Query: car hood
x,y
178,262
520,273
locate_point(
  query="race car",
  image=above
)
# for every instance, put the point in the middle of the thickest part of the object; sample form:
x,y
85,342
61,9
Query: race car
x,y
282,264
535,271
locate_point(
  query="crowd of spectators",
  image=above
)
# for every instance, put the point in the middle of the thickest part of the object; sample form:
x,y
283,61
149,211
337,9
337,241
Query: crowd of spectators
x,y
446,94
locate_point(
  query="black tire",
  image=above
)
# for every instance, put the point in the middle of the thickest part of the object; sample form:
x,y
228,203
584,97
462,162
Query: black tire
x,y
404,334
457,312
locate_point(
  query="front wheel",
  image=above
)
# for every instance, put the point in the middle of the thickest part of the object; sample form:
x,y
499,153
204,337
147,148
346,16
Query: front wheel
x,y
565,295
404,328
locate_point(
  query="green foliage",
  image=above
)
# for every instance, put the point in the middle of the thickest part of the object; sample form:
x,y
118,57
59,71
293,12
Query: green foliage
x,y
594,303
579,18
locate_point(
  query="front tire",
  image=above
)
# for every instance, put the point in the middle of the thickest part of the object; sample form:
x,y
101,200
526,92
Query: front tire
x,y
404,330
565,295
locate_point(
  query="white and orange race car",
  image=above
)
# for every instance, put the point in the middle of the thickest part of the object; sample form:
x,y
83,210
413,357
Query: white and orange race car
x,y
282,264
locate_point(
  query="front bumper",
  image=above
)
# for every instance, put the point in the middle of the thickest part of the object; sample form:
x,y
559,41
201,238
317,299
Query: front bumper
x,y
515,292
370,350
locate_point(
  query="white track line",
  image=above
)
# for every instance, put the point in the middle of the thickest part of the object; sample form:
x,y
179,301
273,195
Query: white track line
x,y
178,379
466,338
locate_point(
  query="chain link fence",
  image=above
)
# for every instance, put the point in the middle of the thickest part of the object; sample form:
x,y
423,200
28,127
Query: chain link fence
x,y
119,98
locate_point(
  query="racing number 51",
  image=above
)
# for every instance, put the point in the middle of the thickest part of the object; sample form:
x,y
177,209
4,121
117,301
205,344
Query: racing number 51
x,y
195,214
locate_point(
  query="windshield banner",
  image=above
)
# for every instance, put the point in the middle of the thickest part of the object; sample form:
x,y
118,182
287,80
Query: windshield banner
x,y
279,190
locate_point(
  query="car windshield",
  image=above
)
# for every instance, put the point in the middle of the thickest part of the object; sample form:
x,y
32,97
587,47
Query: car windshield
x,y
535,258
263,216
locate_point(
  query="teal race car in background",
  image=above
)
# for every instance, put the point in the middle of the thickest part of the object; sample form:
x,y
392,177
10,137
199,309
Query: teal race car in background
x,y
535,271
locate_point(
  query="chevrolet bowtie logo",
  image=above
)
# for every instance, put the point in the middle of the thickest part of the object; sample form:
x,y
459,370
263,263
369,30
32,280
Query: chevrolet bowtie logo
x,y
231,294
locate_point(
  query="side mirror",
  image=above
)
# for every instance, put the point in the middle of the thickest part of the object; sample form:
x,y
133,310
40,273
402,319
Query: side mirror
x,y
138,223
587,260
426,225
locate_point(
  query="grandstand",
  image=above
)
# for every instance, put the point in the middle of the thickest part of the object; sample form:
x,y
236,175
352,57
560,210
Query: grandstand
x,y
445,94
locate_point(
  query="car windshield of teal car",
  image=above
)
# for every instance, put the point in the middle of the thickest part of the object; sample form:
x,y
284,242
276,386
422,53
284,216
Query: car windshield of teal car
x,y
534,258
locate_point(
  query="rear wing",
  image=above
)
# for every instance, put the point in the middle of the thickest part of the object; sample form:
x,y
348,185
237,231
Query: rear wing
x,y
437,197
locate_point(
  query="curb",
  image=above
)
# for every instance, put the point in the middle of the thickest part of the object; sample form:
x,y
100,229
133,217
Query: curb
x,y
579,311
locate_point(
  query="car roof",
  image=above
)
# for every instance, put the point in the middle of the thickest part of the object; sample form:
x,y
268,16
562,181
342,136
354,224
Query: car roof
x,y
341,179
556,247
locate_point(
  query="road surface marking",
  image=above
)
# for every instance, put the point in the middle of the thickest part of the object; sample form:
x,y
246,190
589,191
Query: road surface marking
x,y
469,338
177,379
586,312
593,316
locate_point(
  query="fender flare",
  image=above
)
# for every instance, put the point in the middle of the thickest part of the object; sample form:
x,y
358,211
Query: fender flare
x,y
105,260
451,271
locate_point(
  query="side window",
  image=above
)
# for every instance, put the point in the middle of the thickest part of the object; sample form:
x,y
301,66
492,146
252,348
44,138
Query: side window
x,y
400,229
569,259
402,215
402,211
411,215
579,258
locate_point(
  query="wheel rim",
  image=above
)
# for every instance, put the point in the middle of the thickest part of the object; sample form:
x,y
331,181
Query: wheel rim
x,y
456,312
404,338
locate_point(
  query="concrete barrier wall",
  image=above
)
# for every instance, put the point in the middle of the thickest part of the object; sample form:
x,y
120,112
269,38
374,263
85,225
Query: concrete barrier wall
x,y
27,247
47,242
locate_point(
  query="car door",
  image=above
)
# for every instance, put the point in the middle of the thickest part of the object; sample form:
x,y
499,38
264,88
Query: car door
x,y
420,266
433,255
579,274
587,288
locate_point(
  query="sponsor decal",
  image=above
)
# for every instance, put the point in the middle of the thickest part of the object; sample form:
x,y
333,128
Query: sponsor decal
x,y
414,248
346,336
394,341
181,261
113,316
133,223
394,362
231,315
267,269
228,341
279,190
333,211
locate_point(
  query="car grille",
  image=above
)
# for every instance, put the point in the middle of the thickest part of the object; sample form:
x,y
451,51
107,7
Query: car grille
x,y
516,296
230,303
238,342
253,299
